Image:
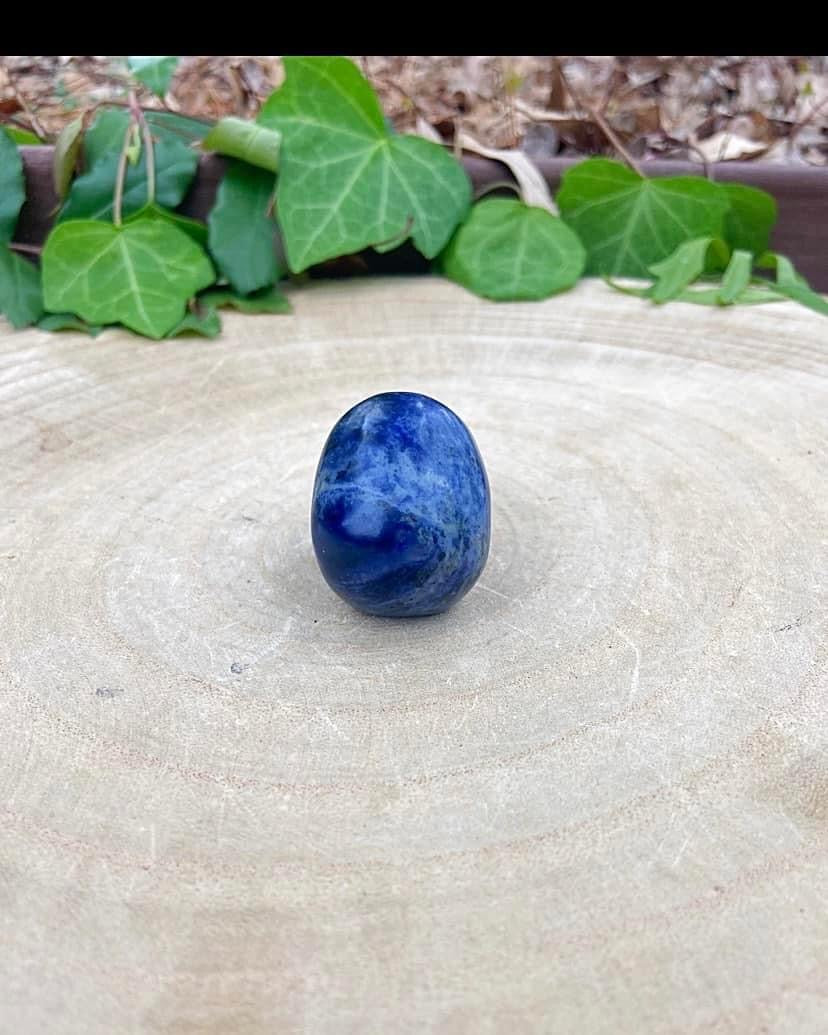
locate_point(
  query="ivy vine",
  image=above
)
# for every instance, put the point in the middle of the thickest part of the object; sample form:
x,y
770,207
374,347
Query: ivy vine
x,y
320,174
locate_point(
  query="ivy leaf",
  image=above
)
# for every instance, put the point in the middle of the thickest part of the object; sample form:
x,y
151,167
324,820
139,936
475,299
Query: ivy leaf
x,y
785,271
736,277
507,250
270,300
345,182
105,136
205,321
627,223
750,218
805,296
21,301
192,227
241,231
23,137
752,294
140,274
792,284
91,193
68,322
238,138
686,264
737,287
12,188
67,149
90,196
154,72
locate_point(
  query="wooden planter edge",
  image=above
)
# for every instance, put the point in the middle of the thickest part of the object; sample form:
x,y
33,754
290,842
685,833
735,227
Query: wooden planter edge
x,y
801,193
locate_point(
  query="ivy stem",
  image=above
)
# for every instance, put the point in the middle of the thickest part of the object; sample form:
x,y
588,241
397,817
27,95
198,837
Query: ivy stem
x,y
138,116
409,223
403,93
26,249
34,121
615,140
114,103
120,177
815,109
603,125
487,188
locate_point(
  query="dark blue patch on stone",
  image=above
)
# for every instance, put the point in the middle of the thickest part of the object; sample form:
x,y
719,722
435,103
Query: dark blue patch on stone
x,y
401,515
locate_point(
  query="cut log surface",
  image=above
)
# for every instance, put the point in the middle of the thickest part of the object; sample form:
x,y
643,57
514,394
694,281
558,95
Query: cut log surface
x,y
591,798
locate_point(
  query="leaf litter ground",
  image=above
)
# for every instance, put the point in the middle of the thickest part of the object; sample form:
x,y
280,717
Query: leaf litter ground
x,y
773,108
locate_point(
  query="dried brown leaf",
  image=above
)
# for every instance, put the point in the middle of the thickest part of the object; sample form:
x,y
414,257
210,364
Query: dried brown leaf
x,y
728,147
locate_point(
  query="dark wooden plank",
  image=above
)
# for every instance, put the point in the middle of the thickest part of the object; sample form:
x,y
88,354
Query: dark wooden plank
x,y
801,193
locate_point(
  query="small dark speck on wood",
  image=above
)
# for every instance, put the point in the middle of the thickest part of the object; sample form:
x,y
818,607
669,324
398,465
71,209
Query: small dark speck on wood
x,y
108,691
236,668
791,625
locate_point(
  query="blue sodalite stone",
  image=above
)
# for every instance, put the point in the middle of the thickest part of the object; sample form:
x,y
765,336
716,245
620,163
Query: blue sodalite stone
x,y
401,515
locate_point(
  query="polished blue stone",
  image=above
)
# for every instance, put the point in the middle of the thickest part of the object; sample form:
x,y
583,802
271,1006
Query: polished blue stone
x,y
401,515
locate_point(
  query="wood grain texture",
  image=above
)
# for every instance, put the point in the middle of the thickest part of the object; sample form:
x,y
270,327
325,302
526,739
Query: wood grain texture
x,y
592,798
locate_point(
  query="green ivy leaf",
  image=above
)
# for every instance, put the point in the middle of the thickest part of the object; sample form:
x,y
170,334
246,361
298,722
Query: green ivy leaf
x,y
792,284
154,72
140,274
736,277
269,300
785,271
90,196
241,230
105,136
752,294
750,218
686,264
205,321
345,182
12,187
68,322
507,250
21,301
737,286
238,138
91,193
191,227
67,149
627,222
805,296
23,137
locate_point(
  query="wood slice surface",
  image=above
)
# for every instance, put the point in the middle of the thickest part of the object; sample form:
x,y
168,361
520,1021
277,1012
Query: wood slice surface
x,y
593,798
